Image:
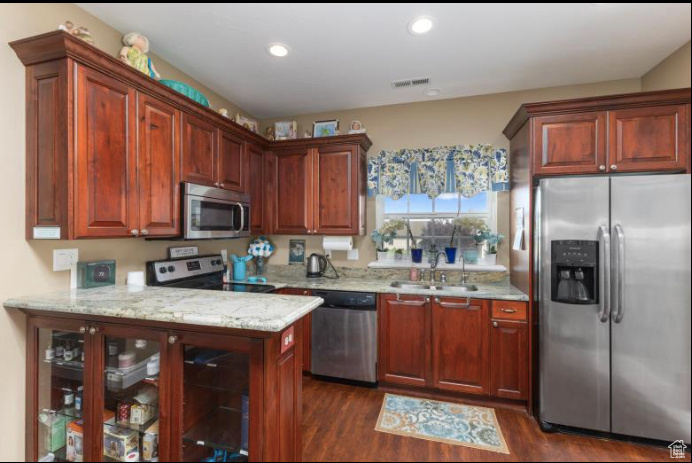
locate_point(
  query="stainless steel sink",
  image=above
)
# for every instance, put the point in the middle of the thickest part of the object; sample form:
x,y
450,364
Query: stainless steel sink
x,y
462,288
409,285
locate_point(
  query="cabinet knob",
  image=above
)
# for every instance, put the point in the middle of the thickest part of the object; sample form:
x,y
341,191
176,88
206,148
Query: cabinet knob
x,y
172,339
427,300
82,329
222,185
145,231
614,167
93,330
495,325
602,168
134,232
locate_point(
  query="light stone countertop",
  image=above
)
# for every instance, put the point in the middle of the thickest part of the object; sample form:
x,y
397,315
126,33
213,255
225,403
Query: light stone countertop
x,y
498,291
245,311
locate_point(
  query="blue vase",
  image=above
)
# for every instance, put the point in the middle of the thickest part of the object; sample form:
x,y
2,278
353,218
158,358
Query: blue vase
x,y
451,255
471,257
417,256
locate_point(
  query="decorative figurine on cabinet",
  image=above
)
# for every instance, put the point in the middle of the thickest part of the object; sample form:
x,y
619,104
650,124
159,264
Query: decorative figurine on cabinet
x,y
223,112
356,127
135,52
269,133
78,31
307,134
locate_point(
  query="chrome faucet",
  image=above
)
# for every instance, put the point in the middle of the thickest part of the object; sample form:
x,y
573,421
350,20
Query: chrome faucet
x,y
434,261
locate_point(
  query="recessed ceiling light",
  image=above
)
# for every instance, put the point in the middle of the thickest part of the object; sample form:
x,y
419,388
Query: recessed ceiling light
x,y
432,92
420,25
278,50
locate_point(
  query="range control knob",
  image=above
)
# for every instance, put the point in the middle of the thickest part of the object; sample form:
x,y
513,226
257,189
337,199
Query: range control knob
x,y
171,268
162,270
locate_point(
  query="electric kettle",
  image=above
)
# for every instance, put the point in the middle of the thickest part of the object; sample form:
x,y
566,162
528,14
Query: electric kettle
x,y
316,266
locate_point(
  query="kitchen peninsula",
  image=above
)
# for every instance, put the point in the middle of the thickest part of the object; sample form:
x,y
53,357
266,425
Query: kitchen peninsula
x,y
196,374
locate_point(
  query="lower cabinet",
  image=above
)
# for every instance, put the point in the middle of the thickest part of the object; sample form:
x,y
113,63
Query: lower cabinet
x,y
111,392
454,345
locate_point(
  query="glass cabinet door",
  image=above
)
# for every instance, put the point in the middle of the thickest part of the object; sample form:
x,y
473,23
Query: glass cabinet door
x,y
214,423
132,388
60,406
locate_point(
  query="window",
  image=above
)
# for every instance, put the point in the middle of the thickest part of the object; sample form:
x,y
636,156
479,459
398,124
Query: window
x,y
431,220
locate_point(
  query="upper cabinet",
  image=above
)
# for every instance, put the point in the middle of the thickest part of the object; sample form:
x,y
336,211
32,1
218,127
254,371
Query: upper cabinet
x,y
107,149
320,187
641,132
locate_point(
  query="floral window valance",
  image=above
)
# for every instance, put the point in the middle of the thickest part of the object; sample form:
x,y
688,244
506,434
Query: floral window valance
x,y
464,169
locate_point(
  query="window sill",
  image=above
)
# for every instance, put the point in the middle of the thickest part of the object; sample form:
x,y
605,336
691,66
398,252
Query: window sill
x,y
393,263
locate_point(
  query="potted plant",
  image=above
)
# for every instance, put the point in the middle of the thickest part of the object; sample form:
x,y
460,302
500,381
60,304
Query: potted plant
x,y
416,252
487,243
398,254
385,235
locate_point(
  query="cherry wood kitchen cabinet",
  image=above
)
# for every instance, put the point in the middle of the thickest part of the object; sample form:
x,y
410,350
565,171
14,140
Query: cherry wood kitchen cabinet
x,y
509,359
320,186
307,328
231,162
461,346
158,169
571,143
405,340
208,380
257,167
200,139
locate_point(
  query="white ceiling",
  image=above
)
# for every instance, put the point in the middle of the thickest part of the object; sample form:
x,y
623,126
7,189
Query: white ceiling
x,y
345,55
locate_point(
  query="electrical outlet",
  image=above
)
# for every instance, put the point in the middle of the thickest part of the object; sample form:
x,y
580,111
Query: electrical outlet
x,y
64,259
353,254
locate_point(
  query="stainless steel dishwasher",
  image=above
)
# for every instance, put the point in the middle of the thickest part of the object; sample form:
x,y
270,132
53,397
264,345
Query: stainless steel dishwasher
x,y
344,336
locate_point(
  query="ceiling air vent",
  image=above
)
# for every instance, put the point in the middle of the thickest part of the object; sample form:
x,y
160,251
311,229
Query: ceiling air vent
x,y
411,82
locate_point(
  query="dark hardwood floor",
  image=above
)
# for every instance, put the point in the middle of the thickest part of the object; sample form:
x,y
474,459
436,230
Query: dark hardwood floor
x,y
339,425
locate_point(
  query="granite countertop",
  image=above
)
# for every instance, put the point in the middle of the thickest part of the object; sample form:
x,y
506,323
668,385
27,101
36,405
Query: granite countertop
x,y
498,291
245,311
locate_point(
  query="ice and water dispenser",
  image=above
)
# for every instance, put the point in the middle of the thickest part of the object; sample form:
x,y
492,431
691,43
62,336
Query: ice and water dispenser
x,y
574,272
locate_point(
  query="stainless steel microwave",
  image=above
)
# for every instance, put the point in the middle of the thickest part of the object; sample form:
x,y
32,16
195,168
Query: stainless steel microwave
x,y
213,213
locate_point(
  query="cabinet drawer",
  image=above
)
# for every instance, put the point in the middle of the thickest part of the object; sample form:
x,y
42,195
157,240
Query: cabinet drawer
x,y
509,310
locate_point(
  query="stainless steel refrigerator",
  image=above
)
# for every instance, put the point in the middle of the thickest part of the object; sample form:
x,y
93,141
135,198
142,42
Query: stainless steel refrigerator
x,y
613,293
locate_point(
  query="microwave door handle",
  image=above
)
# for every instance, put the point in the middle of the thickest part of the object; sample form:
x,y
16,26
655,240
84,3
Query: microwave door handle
x,y
242,218
604,274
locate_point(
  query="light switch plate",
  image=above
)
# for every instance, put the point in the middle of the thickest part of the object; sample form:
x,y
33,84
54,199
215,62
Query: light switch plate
x,y
65,259
224,255
353,254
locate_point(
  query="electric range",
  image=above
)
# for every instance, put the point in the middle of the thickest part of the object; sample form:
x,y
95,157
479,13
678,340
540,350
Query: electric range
x,y
200,272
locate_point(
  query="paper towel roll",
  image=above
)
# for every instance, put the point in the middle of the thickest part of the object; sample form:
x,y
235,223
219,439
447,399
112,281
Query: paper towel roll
x,y
337,243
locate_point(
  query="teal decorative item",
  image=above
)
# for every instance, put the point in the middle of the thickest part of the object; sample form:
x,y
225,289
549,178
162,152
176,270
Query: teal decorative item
x,y
240,267
260,248
190,92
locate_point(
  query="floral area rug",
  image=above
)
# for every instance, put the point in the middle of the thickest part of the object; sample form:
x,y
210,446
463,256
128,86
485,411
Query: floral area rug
x,y
444,422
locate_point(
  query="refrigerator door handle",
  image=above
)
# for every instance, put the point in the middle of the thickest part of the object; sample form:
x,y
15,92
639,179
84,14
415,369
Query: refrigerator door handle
x,y
619,273
604,283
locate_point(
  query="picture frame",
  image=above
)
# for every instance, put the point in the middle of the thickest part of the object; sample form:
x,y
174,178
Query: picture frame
x,y
328,128
247,122
296,252
286,130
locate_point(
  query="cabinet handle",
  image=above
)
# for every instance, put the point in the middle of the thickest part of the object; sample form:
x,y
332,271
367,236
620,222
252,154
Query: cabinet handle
x,y
145,231
508,310
134,232
82,329
495,325
417,303
602,168
172,339
93,330
222,185
452,305
614,167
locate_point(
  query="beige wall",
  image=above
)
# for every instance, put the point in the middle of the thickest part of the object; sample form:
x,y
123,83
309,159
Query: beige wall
x,y
672,72
478,119
27,266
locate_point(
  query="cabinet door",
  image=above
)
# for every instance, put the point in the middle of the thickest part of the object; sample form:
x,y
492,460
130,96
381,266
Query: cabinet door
x,y
648,139
231,164
307,328
404,351
59,391
158,170
570,144
256,187
336,205
216,397
199,148
509,362
460,345
104,184
293,198
131,393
